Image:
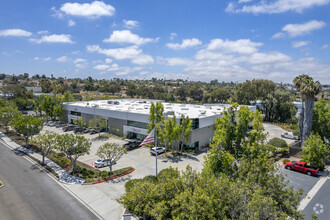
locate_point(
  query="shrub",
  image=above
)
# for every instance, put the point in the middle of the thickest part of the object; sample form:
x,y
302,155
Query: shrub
x,y
131,183
278,142
104,174
150,178
89,180
286,160
283,150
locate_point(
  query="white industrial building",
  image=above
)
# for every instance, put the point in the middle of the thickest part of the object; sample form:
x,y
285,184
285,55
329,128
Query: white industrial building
x,y
129,117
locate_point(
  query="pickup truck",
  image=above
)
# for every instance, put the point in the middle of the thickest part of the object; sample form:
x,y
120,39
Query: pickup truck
x,y
301,167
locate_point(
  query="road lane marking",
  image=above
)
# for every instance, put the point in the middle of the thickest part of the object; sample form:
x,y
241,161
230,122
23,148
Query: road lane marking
x,y
312,193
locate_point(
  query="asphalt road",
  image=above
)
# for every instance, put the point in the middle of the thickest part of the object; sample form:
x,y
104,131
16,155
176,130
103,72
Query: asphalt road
x,y
320,203
30,193
299,180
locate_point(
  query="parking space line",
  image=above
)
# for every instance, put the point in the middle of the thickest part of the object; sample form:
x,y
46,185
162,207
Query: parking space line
x,y
312,193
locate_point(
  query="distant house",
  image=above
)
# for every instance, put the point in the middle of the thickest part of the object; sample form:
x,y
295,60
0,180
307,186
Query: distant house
x,y
34,89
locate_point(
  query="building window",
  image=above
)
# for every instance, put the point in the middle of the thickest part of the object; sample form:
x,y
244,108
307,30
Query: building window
x,y
75,113
194,124
137,124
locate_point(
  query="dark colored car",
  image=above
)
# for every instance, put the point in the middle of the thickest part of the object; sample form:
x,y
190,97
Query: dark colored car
x,y
68,128
60,125
131,145
78,129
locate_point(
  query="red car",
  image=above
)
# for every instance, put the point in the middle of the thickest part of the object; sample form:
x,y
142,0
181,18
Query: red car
x,y
301,167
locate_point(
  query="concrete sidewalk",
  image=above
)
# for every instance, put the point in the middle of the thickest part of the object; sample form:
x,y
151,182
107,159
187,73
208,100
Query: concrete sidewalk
x,y
64,176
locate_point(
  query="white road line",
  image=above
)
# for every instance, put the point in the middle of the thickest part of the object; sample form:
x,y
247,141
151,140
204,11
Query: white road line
x,y
312,193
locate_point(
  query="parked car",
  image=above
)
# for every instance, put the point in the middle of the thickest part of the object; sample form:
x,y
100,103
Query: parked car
x,y
50,123
68,128
102,163
78,129
60,125
132,144
289,135
160,150
301,167
92,131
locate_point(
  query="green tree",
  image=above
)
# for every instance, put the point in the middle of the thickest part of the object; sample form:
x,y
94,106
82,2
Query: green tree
x,y
73,146
131,89
98,124
155,115
7,113
47,105
321,119
79,122
315,151
27,126
308,90
169,133
46,142
111,152
254,191
184,130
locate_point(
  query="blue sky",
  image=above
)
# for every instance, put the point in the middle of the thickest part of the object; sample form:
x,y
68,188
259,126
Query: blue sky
x,y
228,40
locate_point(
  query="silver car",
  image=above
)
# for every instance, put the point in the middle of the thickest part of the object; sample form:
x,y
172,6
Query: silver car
x,y
102,163
289,135
160,150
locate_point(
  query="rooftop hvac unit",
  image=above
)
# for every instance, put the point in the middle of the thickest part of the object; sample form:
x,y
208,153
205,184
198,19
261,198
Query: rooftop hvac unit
x,y
87,103
202,112
95,106
184,109
116,102
110,102
169,113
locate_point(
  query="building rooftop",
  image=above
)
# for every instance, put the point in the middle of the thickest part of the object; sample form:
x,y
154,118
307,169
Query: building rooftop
x,y
142,106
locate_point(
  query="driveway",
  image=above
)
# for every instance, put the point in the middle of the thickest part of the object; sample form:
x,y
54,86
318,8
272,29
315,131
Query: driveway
x,y
102,197
276,131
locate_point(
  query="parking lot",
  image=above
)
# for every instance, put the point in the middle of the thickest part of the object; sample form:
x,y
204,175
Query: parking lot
x,y
140,158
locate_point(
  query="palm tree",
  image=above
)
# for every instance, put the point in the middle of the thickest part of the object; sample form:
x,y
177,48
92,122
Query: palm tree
x,y
308,90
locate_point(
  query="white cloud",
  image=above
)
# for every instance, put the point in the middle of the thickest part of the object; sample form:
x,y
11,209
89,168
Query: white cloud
x,y
126,36
80,60
43,32
186,43
276,6
95,9
71,23
15,33
101,67
278,35
143,59
173,61
130,24
294,30
133,53
54,38
108,60
62,59
297,44
42,59
325,46
81,65
244,46
243,1
173,35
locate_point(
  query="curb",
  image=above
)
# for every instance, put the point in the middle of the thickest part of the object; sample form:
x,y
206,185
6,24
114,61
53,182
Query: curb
x,y
203,151
112,178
